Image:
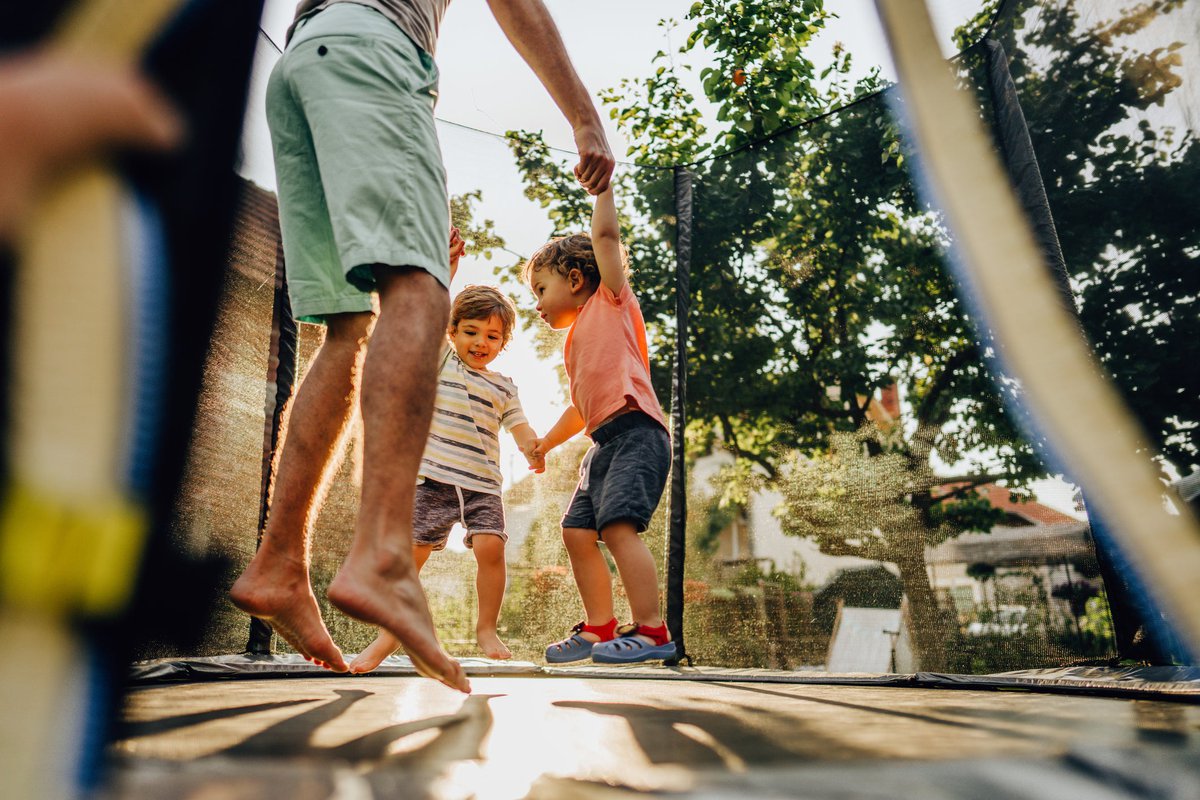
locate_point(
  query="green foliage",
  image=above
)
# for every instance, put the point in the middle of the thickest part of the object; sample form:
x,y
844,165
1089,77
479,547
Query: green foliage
x,y
970,512
1097,622
481,237
1120,170
718,518
753,617
981,571
816,276
815,279
548,184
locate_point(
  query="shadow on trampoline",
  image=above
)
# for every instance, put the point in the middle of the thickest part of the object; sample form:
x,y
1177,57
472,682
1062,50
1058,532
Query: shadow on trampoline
x,y
133,730
459,736
886,711
693,736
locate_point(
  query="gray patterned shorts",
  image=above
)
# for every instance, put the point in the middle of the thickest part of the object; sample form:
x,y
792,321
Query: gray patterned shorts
x,y
438,506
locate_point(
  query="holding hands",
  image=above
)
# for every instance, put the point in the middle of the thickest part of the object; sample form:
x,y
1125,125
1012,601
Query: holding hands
x,y
596,160
535,453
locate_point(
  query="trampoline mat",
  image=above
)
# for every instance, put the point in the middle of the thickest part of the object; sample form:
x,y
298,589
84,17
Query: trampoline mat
x,y
583,736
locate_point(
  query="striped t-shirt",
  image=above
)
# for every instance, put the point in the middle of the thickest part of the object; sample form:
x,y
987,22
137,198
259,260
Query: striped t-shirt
x,y
464,440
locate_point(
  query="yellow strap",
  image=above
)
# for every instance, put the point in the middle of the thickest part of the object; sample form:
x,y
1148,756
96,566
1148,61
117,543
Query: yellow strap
x,y
115,29
62,560
69,540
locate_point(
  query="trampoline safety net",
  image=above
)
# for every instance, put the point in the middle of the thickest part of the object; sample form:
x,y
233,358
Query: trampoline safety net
x,y
856,487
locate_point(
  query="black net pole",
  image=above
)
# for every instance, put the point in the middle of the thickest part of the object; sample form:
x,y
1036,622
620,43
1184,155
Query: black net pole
x,y
281,381
677,535
1020,161
1134,625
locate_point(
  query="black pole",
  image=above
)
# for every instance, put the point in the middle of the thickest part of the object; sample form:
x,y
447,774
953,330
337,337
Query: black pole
x,y
677,535
1137,627
281,381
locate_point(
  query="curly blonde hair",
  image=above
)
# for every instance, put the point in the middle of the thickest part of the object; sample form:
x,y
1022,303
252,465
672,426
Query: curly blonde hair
x,y
565,253
484,302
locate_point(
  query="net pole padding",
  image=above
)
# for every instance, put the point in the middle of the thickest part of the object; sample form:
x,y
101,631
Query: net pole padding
x,y
677,528
72,530
1079,413
1020,161
281,384
1130,611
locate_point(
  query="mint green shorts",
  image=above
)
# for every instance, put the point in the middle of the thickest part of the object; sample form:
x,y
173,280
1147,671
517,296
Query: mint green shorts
x,y
357,162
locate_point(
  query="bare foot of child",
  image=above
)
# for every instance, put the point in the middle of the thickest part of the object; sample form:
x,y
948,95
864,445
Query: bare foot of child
x,y
489,642
384,645
278,592
392,599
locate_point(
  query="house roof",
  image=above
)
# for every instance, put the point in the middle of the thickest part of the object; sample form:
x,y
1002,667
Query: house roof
x,y
1017,547
1001,498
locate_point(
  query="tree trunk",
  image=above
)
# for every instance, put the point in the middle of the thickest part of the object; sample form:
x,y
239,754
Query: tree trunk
x,y
931,633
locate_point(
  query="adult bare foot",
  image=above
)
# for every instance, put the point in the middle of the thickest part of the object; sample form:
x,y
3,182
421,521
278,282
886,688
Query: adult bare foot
x,y
277,591
384,645
394,601
489,642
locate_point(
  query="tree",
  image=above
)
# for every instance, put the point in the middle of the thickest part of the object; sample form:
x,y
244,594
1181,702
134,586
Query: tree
x,y
816,280
1120,166
817,274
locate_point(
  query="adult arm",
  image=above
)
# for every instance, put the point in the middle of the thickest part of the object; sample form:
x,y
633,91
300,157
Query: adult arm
x,y
531,29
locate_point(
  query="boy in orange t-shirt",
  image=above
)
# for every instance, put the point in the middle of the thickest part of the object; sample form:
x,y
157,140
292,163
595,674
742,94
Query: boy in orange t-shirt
x,y
579,283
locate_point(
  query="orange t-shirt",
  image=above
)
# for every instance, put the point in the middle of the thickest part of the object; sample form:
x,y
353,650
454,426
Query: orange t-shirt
x,y
608,366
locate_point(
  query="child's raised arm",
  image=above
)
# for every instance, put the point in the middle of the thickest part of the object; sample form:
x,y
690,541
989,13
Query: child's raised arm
x,y
606,242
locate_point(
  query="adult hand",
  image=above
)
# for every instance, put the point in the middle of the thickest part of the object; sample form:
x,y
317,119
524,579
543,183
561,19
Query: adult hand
x,y
596,161
57,109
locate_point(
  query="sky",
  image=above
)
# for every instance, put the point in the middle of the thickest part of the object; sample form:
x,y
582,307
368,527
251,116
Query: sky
x,y
486,86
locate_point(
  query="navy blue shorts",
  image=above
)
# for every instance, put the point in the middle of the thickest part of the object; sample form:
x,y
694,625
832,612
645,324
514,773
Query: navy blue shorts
x,y
622,477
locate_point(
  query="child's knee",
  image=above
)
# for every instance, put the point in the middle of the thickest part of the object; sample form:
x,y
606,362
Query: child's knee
x,y
579,540
488,547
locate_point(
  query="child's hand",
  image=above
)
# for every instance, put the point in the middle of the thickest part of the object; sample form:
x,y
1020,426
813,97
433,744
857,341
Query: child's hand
x,y
536,456
457,248
457,245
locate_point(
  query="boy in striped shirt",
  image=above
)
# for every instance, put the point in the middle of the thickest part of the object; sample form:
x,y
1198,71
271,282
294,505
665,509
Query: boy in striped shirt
x,y
459,479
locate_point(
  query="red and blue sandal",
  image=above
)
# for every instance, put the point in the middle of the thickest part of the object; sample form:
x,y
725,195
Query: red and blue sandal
x,y
627,648
577,648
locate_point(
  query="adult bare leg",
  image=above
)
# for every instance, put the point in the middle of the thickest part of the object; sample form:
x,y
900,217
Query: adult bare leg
x,y
385,644
378,580
275,586
592,578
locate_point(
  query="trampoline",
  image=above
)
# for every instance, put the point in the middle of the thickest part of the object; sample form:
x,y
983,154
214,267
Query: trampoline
x,y
580,732
859,414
